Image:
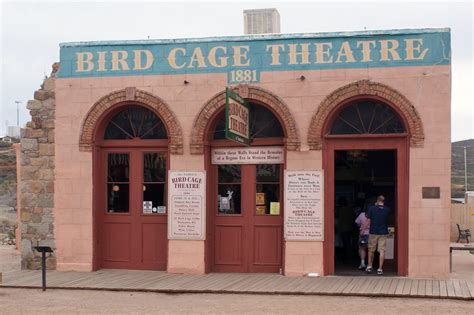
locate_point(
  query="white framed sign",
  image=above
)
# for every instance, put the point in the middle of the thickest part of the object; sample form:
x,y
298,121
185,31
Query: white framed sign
x,y
249,155
187,205
304,205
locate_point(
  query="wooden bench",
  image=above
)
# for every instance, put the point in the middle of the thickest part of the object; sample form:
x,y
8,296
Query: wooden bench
x,y
458,246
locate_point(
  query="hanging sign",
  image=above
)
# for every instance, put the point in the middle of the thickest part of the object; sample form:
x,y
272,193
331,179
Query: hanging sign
x,y
237,118
304,205
187,205
250,155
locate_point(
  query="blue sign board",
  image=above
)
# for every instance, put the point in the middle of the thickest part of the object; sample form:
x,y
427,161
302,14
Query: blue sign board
x,y
244,57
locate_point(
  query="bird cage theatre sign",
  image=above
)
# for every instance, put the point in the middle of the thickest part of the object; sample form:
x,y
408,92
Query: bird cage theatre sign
x,y
297,106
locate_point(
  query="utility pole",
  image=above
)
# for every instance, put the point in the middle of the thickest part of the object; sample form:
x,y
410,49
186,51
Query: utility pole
x,y
465,170
17,113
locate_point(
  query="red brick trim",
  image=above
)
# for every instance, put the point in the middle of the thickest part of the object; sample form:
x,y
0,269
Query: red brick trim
x,y
217,102
128,94
365,88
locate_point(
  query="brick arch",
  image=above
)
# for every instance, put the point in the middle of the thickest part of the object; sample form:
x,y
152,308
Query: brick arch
x,y
131,94
365,88
217,102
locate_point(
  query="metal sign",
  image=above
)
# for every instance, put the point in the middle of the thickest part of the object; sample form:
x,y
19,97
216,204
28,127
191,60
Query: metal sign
x,y
237,118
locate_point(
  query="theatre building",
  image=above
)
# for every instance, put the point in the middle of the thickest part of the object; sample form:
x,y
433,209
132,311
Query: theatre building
x,y
241,154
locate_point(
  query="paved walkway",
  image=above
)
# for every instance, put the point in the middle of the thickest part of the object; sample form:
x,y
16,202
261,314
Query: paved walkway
x,y
158,281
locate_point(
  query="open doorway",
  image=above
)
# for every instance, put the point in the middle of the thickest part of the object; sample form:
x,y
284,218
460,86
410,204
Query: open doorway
x,y
359,177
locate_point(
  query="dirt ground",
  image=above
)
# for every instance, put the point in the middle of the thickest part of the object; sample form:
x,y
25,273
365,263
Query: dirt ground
x,y
27,301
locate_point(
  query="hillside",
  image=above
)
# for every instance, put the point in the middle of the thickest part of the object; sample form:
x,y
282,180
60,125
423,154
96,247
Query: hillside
x,y
457,167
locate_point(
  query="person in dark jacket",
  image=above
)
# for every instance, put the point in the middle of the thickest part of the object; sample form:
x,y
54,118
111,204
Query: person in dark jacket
x,y
378,232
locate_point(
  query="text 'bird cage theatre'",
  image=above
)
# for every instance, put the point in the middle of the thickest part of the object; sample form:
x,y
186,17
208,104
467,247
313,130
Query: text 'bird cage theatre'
x,y
241,154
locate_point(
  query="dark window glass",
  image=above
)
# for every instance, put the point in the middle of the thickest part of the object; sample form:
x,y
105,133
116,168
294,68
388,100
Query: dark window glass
x,y
264,124
267,189
118,182
367,117
229,189
118,170
154,181
135,122
229,173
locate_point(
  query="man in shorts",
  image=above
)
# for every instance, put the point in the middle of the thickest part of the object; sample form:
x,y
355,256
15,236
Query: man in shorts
x,y
378,232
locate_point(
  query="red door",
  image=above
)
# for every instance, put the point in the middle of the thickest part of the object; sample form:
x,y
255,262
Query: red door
x,y
247,218
132,197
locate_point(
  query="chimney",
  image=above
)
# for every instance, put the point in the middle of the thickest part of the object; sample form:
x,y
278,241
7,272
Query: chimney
x,y
261,21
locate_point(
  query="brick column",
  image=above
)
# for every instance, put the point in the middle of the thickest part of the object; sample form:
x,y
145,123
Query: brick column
x,y
37,176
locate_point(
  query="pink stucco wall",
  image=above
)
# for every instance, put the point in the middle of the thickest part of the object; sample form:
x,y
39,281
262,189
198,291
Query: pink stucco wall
x,y
428,88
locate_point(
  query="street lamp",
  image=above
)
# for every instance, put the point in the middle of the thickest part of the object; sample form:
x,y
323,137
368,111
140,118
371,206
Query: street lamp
x,y
17,113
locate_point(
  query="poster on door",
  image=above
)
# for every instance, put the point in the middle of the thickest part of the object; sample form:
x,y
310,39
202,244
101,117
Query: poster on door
x,y
304,206
187,205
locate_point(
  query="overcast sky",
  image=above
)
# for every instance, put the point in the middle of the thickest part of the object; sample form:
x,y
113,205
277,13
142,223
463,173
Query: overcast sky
x,y
31,33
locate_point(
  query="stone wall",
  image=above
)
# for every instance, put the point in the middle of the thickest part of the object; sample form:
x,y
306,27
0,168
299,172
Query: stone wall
x,y
37,176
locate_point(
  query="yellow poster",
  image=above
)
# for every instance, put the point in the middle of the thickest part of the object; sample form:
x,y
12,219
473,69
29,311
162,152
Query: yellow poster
x,y
274,208
261,209
260,198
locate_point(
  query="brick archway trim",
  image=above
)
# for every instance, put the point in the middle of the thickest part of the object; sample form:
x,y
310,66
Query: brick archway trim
x,y
131,94
217,102
365,88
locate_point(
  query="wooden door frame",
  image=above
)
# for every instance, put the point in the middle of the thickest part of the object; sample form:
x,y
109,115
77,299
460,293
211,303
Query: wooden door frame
x,y
400,143
98,165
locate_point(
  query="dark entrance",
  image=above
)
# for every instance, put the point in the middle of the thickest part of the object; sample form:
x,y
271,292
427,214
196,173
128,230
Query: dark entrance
x,y
365,153
361,176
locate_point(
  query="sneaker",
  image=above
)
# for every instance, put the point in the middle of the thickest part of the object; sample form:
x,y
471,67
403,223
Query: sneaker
x,y
368,269
379,272
362,267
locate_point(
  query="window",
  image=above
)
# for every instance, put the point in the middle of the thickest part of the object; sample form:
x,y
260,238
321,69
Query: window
x,y
154,181
135,123
118,182
367,117
267,189
263,124
229,189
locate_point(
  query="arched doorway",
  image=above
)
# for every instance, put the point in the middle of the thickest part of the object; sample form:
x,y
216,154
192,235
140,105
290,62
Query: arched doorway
x,y
245,200
365,154
131,160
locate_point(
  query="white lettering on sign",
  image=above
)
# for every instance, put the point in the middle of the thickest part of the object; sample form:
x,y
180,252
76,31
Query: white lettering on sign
x,y
250,155
187,205
304,206
238,119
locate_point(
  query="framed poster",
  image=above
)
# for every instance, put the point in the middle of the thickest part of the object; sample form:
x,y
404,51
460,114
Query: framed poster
x,y
304,206
187,205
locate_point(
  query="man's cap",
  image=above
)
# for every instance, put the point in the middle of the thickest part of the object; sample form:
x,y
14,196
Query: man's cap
x,y
380,198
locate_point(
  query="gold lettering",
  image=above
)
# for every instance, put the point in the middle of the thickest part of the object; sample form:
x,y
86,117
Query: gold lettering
x,y
275,53
84,59
119,57
323,50
345,51
197,56
241,55
304,53
366,49
172,58
411,48
101,60
385,50
212,57
138,59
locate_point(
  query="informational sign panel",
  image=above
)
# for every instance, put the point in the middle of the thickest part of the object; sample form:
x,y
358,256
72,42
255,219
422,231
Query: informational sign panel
x,y
304,206
251,155
187,205
237,118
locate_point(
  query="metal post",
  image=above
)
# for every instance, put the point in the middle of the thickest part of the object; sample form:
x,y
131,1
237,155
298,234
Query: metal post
x,y
465,169
43,270
17,113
